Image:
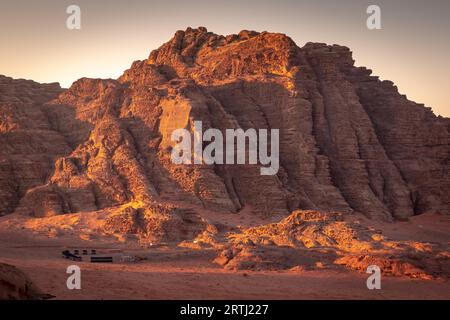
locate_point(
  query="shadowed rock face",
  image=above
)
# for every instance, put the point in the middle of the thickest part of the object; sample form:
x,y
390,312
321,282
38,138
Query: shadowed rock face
x,y
15,285
347,140
29,145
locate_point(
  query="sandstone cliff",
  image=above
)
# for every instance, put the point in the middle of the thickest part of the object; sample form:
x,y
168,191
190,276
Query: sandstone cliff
x,y
348,141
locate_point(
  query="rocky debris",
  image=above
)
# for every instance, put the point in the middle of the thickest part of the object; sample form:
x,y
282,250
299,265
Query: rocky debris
x,y
310,240
155,223
210,237
348,141
399,267
270,257
313,229
15,285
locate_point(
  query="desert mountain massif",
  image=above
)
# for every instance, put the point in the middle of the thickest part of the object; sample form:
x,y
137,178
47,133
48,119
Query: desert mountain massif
x,y
350,144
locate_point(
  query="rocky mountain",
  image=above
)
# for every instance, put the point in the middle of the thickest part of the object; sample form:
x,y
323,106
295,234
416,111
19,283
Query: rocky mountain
x,y
348,141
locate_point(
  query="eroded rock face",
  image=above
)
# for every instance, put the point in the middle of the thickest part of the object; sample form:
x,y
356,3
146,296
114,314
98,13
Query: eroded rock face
x,y
29,145
347,140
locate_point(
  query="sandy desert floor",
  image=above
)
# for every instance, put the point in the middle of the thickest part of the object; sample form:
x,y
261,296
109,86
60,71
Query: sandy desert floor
x,y
173,272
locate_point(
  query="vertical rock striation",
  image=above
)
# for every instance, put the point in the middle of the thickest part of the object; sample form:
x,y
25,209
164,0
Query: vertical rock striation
x,y
348,141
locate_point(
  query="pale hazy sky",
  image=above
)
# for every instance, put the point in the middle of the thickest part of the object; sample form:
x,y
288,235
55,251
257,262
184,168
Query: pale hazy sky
x,y
412,49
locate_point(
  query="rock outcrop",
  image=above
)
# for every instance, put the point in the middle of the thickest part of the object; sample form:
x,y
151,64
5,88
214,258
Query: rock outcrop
x,y
311,239
348,141
29,145
15,285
